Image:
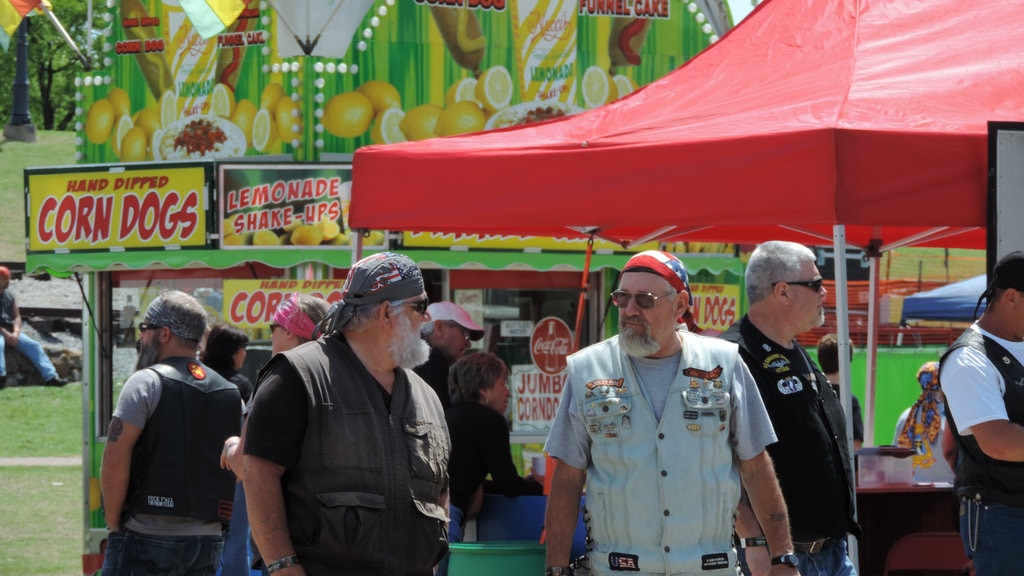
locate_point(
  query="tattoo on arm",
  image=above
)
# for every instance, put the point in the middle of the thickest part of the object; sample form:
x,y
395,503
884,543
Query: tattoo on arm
x,y
116,427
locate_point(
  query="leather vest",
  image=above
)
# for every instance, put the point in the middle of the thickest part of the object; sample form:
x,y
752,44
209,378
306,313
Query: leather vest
x,y
812,459
661,496
175,467
367,495
979,474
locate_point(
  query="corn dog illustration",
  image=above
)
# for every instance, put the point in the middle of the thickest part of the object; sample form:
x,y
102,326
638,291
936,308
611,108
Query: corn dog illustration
x,y
462,35
626,39
153,65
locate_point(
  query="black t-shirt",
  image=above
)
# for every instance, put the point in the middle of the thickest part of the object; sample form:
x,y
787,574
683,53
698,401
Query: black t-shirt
x,y
277,421
480,446
435,373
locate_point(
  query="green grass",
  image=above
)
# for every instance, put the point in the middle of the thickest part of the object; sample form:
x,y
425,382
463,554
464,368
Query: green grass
x,y
50,149
41,506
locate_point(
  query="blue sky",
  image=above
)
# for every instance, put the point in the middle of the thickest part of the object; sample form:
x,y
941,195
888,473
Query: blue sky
x,y
739,9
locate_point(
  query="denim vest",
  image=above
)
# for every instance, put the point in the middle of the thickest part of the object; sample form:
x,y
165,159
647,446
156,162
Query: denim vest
x,y
661,496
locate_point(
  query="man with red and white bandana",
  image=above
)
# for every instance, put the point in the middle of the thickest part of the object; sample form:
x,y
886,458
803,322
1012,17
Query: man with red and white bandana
x,y
662,425
165,497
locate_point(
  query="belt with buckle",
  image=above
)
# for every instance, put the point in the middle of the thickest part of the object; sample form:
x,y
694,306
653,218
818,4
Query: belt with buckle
x,y
810,547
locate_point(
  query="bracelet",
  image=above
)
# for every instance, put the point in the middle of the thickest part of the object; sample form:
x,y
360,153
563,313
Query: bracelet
x,y
559,571
282,563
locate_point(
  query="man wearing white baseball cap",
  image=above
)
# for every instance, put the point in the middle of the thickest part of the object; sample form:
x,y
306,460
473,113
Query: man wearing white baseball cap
x,y
449,334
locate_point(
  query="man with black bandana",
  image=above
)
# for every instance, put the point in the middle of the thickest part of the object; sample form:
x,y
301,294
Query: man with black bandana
x,y
812,458
165,497
346,448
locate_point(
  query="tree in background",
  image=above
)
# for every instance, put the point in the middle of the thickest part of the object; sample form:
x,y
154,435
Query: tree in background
x,y
52,68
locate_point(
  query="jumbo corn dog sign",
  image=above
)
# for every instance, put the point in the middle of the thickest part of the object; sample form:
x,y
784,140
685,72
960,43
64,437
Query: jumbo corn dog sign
x,y
311,77
149,207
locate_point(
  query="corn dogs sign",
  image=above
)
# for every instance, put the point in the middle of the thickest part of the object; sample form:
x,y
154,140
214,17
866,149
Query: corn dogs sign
x,y
149,207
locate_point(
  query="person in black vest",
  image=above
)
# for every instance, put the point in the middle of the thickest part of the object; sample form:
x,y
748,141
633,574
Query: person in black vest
x,y
982,377
811,458
346,449
166,499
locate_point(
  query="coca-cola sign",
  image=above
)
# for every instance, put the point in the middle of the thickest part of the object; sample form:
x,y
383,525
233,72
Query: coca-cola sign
x,y
550,344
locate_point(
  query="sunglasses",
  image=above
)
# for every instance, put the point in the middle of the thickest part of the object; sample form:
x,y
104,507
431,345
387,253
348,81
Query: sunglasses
x,y
147,326
418,306
645,300
812,284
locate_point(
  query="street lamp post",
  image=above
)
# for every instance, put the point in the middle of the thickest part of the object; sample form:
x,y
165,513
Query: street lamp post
x,y
20,127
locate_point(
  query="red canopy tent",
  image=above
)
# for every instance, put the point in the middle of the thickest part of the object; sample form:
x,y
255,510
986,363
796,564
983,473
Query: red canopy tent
x,y
810,113
818,121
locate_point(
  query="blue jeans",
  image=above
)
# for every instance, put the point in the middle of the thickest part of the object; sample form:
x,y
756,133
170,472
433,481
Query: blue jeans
x,y
34,352
832,560
130,553
454,535
991,533
235,561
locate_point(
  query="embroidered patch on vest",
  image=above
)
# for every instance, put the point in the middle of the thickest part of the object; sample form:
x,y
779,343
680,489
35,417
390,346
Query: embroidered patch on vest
x,y
703,374
790,385
624,562
714,561
777,362
197,371
689,414
605,382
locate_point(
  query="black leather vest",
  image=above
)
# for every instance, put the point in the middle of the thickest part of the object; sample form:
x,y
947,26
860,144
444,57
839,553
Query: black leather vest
x,y
812,459
367,495
176,462
978,474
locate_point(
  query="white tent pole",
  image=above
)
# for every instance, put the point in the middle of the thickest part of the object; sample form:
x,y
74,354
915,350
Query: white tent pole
x,y
843,334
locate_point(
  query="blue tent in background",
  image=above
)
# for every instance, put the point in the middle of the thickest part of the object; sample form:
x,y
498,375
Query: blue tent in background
x,y
953,302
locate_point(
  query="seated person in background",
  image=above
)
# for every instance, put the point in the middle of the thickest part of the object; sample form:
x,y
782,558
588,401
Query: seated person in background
x,y
480,439
921,428
828,357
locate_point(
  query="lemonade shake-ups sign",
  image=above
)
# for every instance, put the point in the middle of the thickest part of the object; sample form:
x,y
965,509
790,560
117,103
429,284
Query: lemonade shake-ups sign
x,y
252,303
146,207
294,205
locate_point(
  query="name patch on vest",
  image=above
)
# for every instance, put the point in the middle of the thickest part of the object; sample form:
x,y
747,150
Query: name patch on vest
x,y
790,385
605,382
714,561
160,501
623,562
703,374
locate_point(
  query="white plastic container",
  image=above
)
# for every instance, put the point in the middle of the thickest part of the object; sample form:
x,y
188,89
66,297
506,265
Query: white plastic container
x,y
884,465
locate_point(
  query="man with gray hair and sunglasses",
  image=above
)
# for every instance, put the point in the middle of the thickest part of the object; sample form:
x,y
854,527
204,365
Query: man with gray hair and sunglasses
x,y
346,448
166,499
812,457
662,425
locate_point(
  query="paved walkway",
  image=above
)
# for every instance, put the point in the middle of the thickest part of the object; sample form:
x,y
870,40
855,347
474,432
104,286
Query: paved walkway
x,y
42,461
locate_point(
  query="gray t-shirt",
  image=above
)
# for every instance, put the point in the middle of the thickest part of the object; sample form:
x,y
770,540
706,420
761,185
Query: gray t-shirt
x,y
135,405
750,427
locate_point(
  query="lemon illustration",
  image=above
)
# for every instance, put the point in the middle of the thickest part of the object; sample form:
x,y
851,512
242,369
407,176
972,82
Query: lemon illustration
x,y
494,88
271,95
265,238
460,118
386,128
148,119
348,114
133,145
464,89
243,116
623,85
597,87
124,124
420,122
264,132
382,95
168,108
307,235
289,120
222,101
233,240
120,101
341,239
99,121
330,229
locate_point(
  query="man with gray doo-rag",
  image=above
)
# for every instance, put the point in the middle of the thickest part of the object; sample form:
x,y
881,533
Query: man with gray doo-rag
x,y
166,499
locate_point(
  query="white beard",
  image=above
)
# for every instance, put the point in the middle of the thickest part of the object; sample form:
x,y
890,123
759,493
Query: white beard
x,y
637,343
407,348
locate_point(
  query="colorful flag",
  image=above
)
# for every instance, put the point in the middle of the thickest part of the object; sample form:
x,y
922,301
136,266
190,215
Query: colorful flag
x,y
210,17
11,14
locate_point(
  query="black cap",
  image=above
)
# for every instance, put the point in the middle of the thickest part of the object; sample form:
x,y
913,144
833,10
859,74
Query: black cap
x,y
1009,271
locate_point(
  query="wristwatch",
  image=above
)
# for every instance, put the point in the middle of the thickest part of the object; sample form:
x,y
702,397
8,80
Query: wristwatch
x,y
559,571
787,559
